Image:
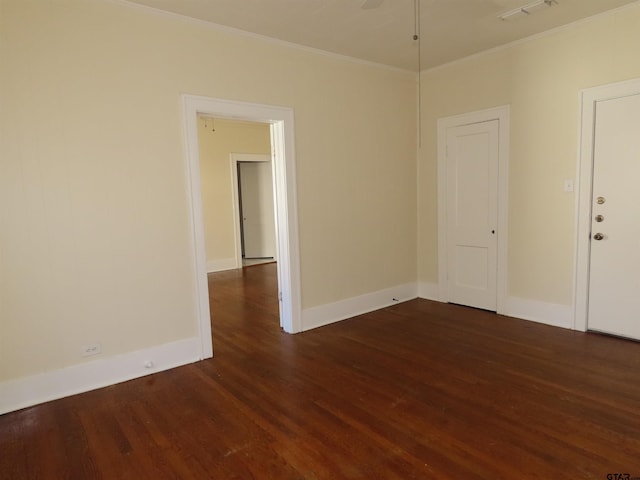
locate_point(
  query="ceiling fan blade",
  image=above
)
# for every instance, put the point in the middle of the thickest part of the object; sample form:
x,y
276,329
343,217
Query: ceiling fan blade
x,y
370,4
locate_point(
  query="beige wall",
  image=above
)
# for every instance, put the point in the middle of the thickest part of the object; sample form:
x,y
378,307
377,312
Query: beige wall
x,y
215,174
541,80
95,242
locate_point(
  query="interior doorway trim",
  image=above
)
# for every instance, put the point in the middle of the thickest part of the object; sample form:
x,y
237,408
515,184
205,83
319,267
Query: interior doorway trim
x,y
501,114
235,159
283,153
589,99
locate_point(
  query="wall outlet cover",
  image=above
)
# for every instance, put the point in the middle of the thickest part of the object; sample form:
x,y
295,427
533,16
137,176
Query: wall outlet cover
x,y
93,349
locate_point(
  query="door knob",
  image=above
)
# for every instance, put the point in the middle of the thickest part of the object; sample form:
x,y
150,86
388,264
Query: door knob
x,y
598,236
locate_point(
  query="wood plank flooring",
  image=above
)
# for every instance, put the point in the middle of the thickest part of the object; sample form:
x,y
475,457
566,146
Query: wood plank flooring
x,y
419,390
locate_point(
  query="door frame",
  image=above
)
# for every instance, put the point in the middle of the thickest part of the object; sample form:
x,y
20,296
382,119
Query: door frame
x,y
502,114
588,100
236,158
281,122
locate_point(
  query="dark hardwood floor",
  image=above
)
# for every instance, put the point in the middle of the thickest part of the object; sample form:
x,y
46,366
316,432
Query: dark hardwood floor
x,y
419,390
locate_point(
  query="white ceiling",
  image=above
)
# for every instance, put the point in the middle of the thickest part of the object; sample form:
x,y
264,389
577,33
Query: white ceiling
x,y
451,29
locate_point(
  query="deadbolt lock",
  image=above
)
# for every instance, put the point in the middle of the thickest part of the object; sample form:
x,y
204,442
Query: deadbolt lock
x,y
599,218
600,200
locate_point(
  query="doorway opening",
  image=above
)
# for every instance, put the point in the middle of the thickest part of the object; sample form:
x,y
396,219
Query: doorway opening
x,y
254,208
222,194
280,122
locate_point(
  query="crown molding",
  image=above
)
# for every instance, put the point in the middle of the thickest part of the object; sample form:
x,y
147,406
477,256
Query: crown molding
x,y
256,36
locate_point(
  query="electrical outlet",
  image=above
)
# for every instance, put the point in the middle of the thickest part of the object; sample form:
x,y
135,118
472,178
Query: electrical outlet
x,y
93,349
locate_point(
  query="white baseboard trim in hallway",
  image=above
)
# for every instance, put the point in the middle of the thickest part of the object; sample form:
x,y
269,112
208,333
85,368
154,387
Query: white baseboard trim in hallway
x,y
315,317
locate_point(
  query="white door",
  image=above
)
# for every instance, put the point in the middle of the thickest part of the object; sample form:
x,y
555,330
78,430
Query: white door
x,y
472,214
614,278
257,209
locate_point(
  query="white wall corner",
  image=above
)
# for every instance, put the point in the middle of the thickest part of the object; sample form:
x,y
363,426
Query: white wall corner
x,y
429,291
221,265
44,387
541,312
321,315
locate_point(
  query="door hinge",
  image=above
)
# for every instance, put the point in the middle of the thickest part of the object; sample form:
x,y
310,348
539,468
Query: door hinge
x,y
280,296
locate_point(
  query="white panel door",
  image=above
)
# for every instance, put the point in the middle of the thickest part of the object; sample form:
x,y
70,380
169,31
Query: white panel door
x,y
257,209
472,214
614,278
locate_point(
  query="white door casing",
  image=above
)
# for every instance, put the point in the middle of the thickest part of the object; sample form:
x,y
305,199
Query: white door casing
x,y
282,144
607,285
614,279
472,208
472,214
614,260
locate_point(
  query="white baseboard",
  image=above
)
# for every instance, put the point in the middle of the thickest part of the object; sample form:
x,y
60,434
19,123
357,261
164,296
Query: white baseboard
x,y
334,312
28,391
221,265
522,308
540,312
429,291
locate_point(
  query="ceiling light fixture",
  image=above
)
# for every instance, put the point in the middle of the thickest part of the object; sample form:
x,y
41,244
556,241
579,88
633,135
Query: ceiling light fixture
x,y
527,9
